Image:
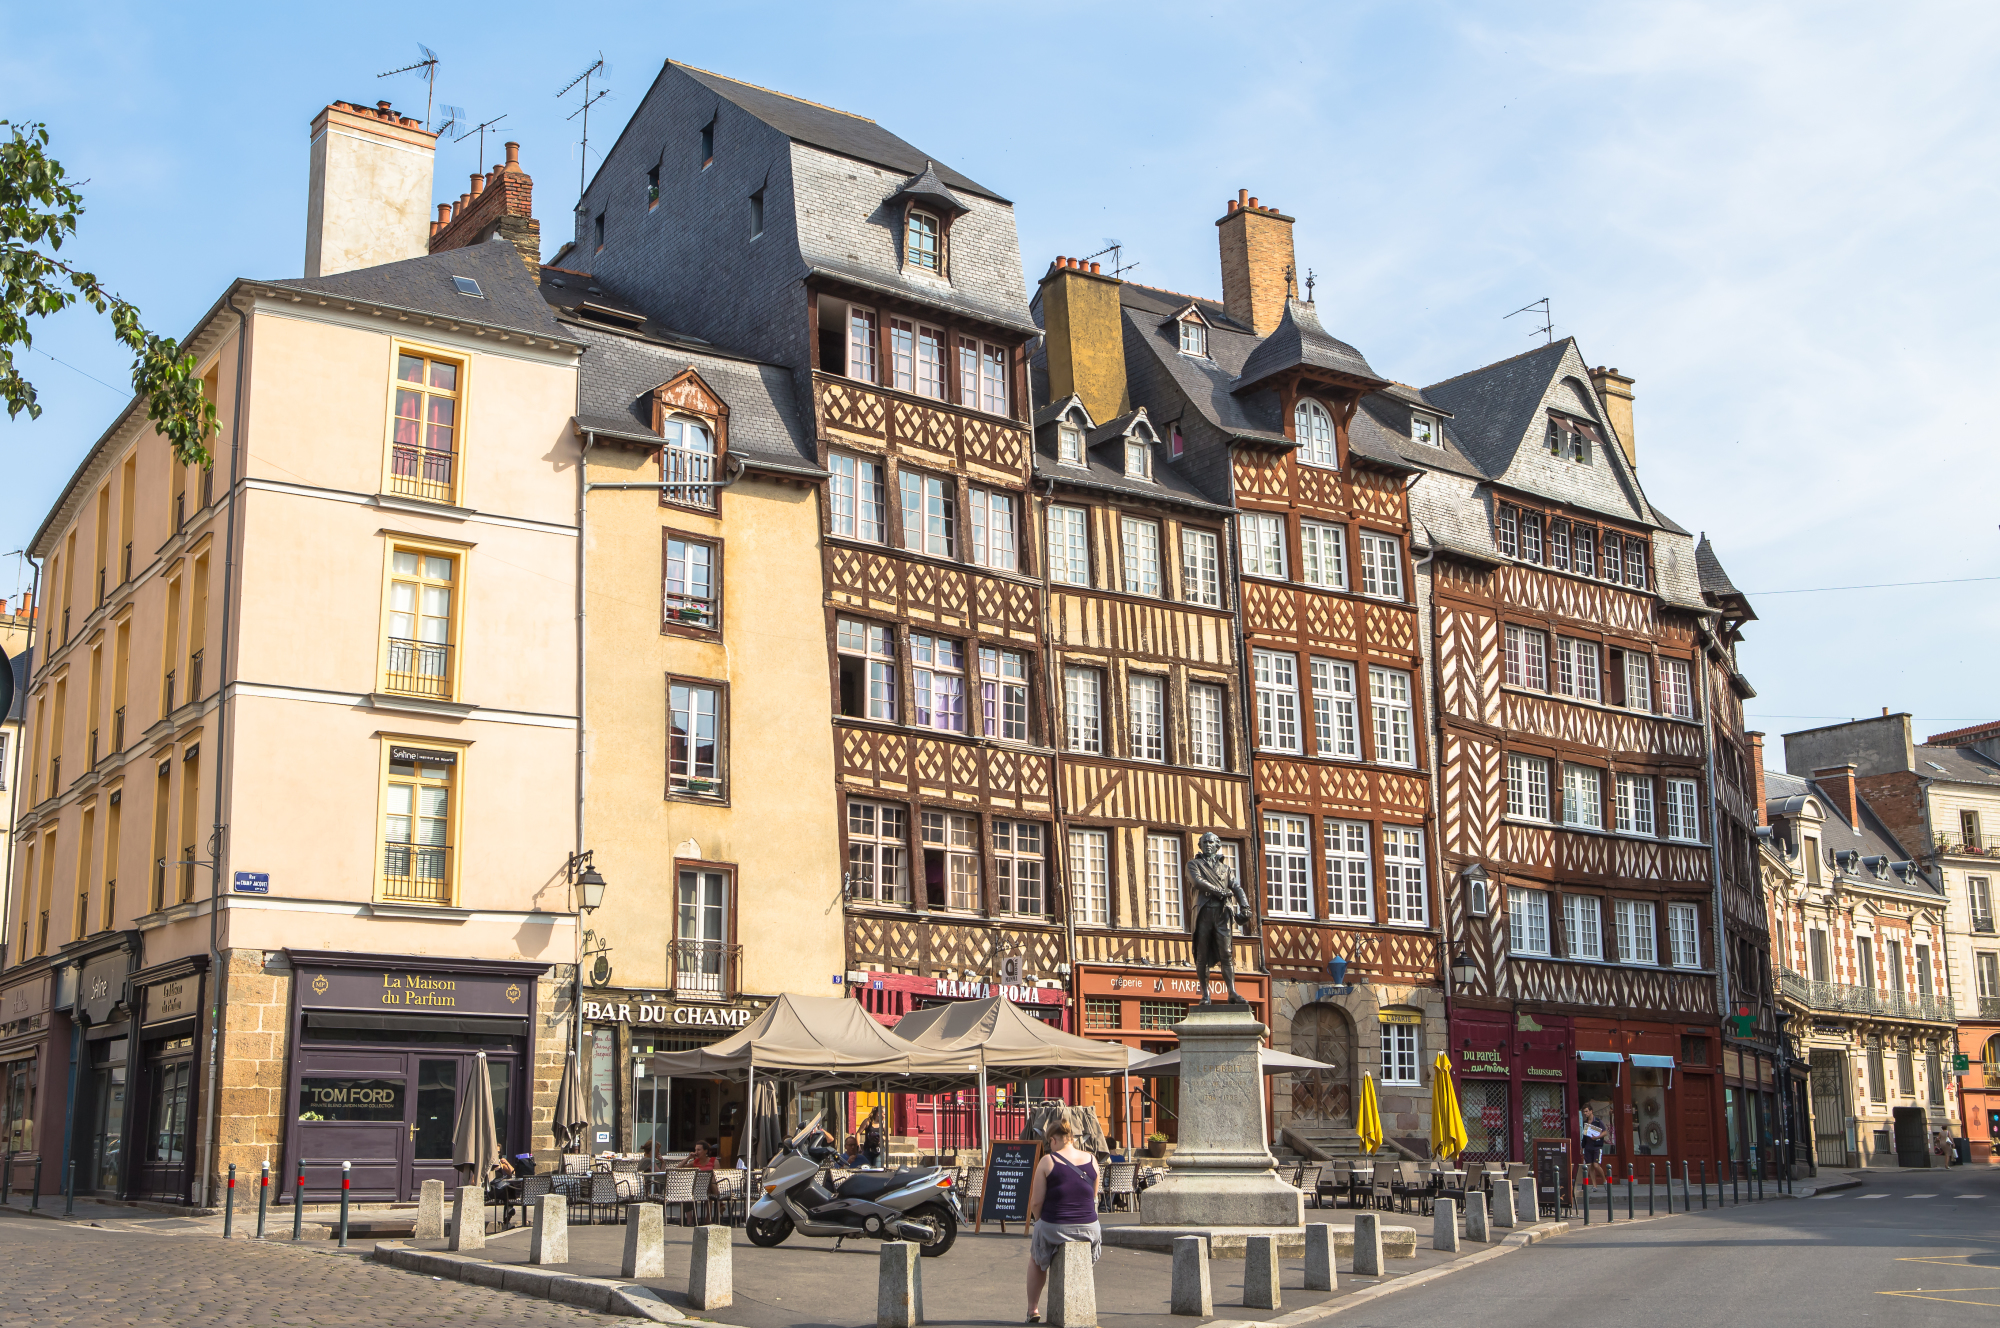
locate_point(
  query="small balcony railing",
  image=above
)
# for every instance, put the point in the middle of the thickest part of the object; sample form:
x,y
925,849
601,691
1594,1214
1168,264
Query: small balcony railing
x,y
1989,1007
702,970
194,676
419,668
167,701
688,475
416,873
1839,998
125,567
1982,923
118,729
180,509
207,485
1974,846
187,865
101,573
421,472
93,749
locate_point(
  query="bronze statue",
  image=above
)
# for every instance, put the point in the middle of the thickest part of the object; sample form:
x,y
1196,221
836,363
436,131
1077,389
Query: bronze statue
x,y
1219,902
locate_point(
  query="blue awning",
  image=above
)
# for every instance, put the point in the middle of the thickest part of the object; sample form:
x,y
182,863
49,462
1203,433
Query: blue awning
x,y
1653,1062
1603,1057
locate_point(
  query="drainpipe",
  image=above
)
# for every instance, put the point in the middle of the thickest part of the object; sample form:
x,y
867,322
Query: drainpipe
x,y
1052,680
1721,942
20,766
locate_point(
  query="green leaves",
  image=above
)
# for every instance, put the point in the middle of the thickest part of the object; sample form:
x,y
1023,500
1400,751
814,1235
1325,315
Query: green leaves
x,y
39,205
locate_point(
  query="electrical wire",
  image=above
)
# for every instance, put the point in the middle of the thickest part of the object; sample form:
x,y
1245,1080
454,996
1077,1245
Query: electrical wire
x,y
1886,585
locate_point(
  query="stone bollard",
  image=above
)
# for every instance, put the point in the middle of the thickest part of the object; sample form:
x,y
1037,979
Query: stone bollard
x,y
1191,1290
1527,1202
899,1289
1367,1245
1444,1226
1503,1205
709,1275
468,1218
1476,1226
549,1241
1072,1287
1260,1272
430,1211
645,1241
1320,1272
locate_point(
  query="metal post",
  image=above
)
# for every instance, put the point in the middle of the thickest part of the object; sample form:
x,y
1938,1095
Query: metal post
x,y
299,1202
263,1197
1585,1187
1704,1186
69,1191
346,1168
229,1205
1735,1185
35,1200
1687,1202
7,1180
1631,1180
1651,1179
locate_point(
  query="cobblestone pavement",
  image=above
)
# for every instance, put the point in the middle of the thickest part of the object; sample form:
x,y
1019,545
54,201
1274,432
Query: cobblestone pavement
x,y
57,1274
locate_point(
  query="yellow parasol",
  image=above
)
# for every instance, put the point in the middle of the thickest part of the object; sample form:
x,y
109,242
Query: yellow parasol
x,y
1368,1121
1447,1122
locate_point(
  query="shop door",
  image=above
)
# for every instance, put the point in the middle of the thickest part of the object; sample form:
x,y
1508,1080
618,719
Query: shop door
x,y
441,1082
1482,1103
1696,1112
1544,1115
355,1107
1912,1138
1324,1033
1829,1107
160,1171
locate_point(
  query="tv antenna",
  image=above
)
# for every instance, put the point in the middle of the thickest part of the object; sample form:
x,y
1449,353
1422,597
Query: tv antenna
x,y
479,129
429,64
596,70
1548,327
452,118
1116,249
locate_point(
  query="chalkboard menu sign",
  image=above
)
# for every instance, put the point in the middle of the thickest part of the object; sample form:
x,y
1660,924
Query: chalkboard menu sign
x,y
1552,1174
1010,1174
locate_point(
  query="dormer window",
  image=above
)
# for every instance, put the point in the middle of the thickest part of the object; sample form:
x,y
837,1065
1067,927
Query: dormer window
x,y
1194,337
1314,427
1423,429
922,242
1070,446
1138,460
1569,441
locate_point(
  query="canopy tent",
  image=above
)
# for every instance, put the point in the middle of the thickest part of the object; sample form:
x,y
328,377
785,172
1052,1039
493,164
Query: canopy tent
x,y
804,1038
1008,1044
1168,1064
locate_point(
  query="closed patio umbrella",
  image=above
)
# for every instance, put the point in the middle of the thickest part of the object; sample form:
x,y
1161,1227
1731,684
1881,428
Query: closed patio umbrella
x,y
475,1143
570,1119
1448,1137
1368,1120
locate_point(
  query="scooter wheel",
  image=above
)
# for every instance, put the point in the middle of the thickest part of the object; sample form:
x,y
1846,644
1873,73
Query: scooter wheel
x,y
941,1220
767,1233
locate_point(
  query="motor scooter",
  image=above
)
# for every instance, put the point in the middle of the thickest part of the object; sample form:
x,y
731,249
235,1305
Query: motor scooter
x,y
912,1203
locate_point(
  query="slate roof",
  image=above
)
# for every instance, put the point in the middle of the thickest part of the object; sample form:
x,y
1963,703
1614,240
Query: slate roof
x,y
1714,581
1971,732
926,187
1104,457
23,666
1960,764
1874,839
593,301
424,285
1299,340
1382,425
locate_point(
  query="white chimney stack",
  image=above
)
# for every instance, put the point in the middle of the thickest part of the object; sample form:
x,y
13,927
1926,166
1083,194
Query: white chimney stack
x,y
369,201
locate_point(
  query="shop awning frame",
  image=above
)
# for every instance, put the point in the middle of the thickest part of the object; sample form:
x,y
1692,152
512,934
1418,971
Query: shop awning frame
x,y
1616,1058
1655,1063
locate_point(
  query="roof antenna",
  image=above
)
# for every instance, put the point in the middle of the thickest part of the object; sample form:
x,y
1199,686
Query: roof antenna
x,y
429,64
1117,251
1548,328
479,130
583,155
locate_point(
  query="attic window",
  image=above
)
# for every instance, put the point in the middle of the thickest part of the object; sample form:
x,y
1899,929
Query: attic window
x,y
652,187
921,242
707,144
1138,460
467,286
1070,446
1423,429
1194,336
1569,441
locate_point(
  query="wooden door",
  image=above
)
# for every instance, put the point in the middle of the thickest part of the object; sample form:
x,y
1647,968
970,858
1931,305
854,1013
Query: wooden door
x,y
1323,1033
1695,1110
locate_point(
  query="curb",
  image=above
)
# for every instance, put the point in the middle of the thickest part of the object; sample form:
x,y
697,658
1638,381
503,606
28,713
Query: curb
x,y
602,1294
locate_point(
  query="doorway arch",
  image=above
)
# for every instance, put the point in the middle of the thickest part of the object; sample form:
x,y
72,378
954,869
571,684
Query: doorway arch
x,y
1324,1033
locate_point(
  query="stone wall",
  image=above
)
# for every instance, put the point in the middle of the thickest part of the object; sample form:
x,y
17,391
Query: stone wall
x,y
256,996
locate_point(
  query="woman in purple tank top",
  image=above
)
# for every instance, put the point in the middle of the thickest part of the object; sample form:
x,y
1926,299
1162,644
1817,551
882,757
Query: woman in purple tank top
x,y
1062,1208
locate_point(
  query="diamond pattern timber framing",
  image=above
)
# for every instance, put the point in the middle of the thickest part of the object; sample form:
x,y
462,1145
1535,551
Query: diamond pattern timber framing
x,y
929,432
1372,955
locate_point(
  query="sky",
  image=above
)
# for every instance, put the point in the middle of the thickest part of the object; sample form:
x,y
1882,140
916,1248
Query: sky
x,y
1778,219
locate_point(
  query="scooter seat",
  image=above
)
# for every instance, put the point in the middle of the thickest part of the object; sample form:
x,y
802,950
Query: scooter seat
x,y
868,1184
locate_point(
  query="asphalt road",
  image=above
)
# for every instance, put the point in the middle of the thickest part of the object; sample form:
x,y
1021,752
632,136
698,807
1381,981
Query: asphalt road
x,y
1906,1250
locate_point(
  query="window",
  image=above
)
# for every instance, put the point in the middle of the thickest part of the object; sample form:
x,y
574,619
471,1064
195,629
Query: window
x,y
1683,822
1988,964
1205,726
1200,579
1979,899
1635,805
1635,564
916,358
867,669
1083,709
1003,694
1140,541
951,859
1527,787
1194,336
1349,871
1527,658
1069,546
687,465
1576,669
1018,868
1559,545
1314,430
922,247
416,829
1161,1014
424,433
1809,851
1381,566
1527,920
1069,446
993,378
1323,554
1336,723
878,851
1261,536
1101,1012
701,928
1583,927
1531,537
1395,736
1613,556
1638,680
1288,865
1583,797
707,143
993,543
419,654
1684,935
1399,1049
1893,957
1277,700
1878,1088
598,228
1403,892
1138,460
860,500
1864,962
1423,429
653,187
1507,530
929,514
1677,687
1633,921
756,213
1906,1070
937,667
1163,881
1583,550
861,343
1922,967
1147,697
689,595
1090,876
694,741
1178,444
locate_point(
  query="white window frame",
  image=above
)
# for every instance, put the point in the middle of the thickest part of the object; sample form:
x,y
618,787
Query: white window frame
x,y
1069,445
1393,714
1020,861
1583,796
1583,927
1381,565
1146,699
995,537
1163,882
930,513
1205,710
1323,555
1069,545
1683,810
1194,337
1639,681
1527,787
1138,460
881,851
1350,871
1634,922
1288,865
1090,877
1277,678
1336,710
1317,440
1261,540
1525,654
1201,568
1559,545
1401,1058
1003,694
1579,670
1527,921
1083,709
1507,530
956,836
1423,429
875,645
864,345
938,678
1635,563
1635,815
1583,549
1531,537
1405,896
860,495
1684,935
915,254
1677,687
1139,545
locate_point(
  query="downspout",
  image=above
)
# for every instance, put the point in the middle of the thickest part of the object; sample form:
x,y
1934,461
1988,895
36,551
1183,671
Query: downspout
x,y
1420,569
1246,701
1052,681
582,737
1721,943
20,767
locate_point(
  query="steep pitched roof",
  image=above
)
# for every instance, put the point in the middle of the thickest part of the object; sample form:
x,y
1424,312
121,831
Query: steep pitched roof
x,y
508,297
927,188
1714,581
1299,341
23,668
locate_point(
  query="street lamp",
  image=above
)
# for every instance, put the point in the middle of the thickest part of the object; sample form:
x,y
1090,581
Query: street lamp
x,y
1463,970
1336,968
589,881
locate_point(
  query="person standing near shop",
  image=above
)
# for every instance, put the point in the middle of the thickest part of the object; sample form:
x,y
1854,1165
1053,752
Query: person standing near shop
x,y
1594,1136
871,1137
1062,1208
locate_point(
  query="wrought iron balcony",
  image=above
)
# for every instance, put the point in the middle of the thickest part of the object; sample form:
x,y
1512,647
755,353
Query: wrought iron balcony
x,y
1838,998
416,873
1989,1007
1975,846
703,970
421,472
419,668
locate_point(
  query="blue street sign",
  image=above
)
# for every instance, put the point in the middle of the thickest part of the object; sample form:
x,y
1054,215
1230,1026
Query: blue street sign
x,y
253,883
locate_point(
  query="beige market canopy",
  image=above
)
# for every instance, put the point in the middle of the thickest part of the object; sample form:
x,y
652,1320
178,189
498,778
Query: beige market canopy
x,y
1008,1044
1167,1065
805,1038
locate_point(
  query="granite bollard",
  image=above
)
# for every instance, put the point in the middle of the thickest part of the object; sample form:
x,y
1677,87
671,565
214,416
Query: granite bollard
x,y
1527,1202
1367,1245
645,1241
1320,1272
899,1293
1502,1213
1444,1228
430,1211
1260,1272
709,1270
1476,1226
1072,1287
468,1218
548,1242
1191,1286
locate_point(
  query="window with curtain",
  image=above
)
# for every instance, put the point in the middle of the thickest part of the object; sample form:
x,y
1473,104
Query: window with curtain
x,y
937,665
694,739
951,854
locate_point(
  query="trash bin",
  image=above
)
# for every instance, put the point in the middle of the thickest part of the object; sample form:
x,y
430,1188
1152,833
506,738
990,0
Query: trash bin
x,y
1962,1148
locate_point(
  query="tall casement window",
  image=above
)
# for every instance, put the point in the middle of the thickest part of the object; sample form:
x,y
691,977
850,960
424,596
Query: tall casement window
x,y
1400,1053
1323,555
1140,542
860,498
1878,1081
1583,796
1864,962
861,348
1381,566
1635,563
1507,530
1404,899
1288,865
694,738
1200,579
1261,537
951,859
1684,935
1531,537
982,379
701,932
1577,672
1583,550
690,584
424,434
916,358
1205,726
1979,897
1277,678
1147,699
1527,787
1314,427
687,465
1613,561
867,669
1638,680
1090,877
1003,694
1527,658
1633,922
1559,545
993,539
417,825
1083,709
1527,921
1069,445
878,851
1336,720
1677,688
1350,893
1020,869
1683,820
1163,881
1395,734
930,515
1138,460
1988,967
1069,546
937,668
1635,805
418,655
923,244
1583,927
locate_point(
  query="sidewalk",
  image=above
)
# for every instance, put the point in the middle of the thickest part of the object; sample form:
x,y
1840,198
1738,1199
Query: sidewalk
x,y
365,1223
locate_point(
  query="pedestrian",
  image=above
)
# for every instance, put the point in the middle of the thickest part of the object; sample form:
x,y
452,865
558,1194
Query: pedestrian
x,y
1593,1135
1062,1207
871,1137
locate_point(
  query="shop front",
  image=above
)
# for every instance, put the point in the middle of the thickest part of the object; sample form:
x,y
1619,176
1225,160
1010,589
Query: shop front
x,y
1517,1077
1139,1008
633,1111
160,1080
99,1123
34,1061
1653,1086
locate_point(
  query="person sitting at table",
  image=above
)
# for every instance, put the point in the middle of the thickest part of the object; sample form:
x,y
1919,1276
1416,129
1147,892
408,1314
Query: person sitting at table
x,y
851,1155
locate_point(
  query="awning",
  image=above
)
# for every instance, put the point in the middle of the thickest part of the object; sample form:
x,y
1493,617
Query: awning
x,y
1653,1062
1603,1057
331,1021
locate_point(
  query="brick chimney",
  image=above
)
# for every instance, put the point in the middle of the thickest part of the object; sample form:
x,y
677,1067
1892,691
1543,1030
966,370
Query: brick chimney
x,y
369,197
1756,741
1616,389
1085,337
1837,783
1259,272
502,202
